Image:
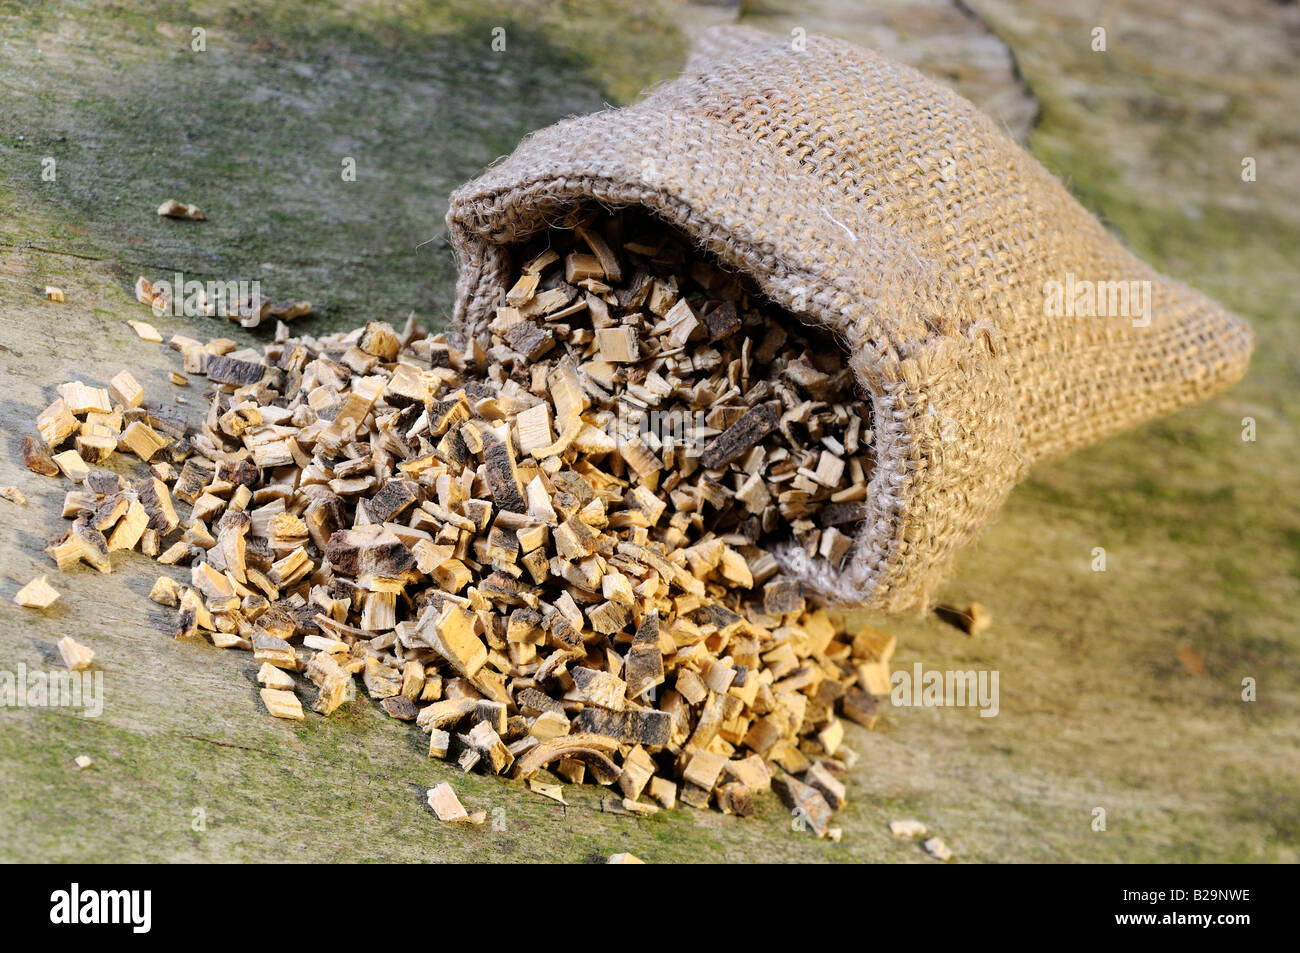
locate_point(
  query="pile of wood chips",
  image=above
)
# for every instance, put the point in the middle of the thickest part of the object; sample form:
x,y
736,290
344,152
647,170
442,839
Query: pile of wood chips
x,y
549,555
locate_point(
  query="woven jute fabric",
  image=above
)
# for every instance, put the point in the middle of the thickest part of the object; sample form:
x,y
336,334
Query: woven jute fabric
x,y
864,198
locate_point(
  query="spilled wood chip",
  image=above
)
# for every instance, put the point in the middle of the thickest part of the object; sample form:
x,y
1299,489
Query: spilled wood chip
x,y
907,829
282,704
146,331
446,805
75,655
37,594
174,209
553,791
937,848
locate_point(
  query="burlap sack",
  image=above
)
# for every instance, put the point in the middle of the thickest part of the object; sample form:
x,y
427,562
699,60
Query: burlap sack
x,y
863,197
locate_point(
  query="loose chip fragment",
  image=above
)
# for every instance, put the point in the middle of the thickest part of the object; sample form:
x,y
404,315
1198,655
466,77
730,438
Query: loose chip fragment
x,y
37,594
174,209
282,704
271,677
976,619
37,460
907,829
75,655
806,802
146,331
937,849
446,805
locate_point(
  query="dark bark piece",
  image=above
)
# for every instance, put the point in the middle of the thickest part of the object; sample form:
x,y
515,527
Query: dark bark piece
x,y
37,460
635,726
719,616
693,795
806,800
529,339
783,595
736,798
503,590
368,550
647,633
644,666
562,635
232,370
722,321
533,702
452,450
395,497
755,425
444,414
168,421
485,742
400,707
157,502
243,472
860,706
634,293
185,624
492,713
644,669
439,355
502,476
103,482
110,511
837,514
194,477
276,622
234,521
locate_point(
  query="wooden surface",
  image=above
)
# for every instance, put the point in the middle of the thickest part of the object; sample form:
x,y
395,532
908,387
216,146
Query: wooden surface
x,y
1119,690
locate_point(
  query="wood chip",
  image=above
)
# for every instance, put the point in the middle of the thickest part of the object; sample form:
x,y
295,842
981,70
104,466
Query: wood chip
x,y
937,849
124,390
271,677
282,704
37,594
174,209
73,467
37,460
446,805
553,791
907,830
13,495
75,655
146,331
